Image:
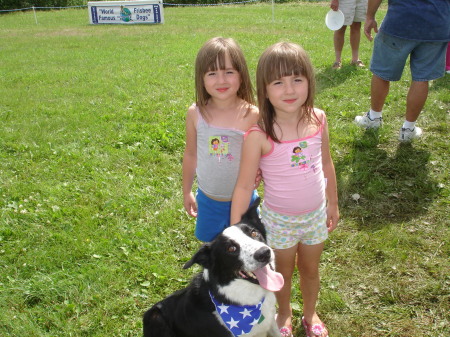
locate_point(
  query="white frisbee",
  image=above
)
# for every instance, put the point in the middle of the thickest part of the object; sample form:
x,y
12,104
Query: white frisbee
x,y
334,19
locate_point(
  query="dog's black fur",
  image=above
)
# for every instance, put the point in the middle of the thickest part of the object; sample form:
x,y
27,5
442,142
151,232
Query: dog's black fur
x,y
190,312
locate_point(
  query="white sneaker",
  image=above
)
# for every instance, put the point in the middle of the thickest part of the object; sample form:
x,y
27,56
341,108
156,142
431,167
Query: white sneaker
x,y
407,135
365,121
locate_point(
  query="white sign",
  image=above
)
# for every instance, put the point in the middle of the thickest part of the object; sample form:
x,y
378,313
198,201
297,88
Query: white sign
x,y
126,12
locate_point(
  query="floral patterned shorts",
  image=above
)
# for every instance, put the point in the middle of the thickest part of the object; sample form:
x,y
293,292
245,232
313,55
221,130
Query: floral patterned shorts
x,y
285,231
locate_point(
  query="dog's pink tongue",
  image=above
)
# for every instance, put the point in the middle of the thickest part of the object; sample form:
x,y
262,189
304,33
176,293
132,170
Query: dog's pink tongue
x,y
269,279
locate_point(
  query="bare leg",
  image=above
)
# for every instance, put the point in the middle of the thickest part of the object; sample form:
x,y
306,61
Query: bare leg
x,y
417,96
285,264
308,266
355,37
339,38
378,93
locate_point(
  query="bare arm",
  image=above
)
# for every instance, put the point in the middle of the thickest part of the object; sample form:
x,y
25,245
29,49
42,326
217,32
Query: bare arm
x,y
190,162
371,23
331,189
245,184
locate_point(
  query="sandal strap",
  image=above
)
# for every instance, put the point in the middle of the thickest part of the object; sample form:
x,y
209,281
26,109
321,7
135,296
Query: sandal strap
x,y
315,329
286,331
358,63
318,329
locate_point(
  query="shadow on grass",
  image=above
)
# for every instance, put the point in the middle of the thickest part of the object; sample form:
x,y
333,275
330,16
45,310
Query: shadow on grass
x,y
329,77
393,188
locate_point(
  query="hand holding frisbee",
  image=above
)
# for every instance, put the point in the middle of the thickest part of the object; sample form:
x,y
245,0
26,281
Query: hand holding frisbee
x,y
334,19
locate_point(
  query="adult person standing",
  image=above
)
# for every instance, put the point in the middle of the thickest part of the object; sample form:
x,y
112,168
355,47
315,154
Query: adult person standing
x,y
418,29
354,13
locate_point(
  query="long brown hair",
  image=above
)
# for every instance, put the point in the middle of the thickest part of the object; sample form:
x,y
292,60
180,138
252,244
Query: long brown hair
x,y
280,60
211,57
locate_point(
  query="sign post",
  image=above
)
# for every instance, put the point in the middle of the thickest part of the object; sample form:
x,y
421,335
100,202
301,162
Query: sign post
x,y
126,12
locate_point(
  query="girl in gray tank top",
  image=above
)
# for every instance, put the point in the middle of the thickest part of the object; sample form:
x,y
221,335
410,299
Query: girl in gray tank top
x,y
215,125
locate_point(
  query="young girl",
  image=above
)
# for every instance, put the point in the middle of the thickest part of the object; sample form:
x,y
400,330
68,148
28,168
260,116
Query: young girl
x,y
215,127
290,145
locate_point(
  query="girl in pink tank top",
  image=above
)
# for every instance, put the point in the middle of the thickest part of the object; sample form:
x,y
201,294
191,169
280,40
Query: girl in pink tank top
x,y
291,146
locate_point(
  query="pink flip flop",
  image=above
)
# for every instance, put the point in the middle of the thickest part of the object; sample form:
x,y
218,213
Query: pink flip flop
x,y
286,331
315,329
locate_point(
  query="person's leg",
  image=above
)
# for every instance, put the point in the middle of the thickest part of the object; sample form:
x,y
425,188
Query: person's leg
x,y
308,265
417,96
285,264
372,119
339,38
355,38
415,101
378,92
427,60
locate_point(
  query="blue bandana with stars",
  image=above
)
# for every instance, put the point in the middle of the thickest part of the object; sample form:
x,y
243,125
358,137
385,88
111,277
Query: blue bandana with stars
x,y
239,319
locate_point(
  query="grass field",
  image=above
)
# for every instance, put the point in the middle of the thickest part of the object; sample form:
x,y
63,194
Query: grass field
x,y
92,227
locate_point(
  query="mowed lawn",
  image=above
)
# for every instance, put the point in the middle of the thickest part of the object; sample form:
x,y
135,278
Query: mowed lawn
x,y
92,226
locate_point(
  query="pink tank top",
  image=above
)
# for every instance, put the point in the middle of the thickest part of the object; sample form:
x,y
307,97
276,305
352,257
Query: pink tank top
x,y
294,183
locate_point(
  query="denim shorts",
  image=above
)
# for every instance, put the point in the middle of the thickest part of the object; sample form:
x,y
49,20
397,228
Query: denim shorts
x,y
213,216
427,59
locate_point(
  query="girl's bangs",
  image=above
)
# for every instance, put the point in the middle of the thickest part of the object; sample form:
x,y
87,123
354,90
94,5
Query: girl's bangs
x,y
281,65
216,61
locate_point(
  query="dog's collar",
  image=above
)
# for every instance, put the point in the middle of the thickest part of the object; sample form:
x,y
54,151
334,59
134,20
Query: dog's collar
x,y
239,319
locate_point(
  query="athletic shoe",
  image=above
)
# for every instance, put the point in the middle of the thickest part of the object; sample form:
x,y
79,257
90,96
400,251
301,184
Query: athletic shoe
x,y
365,121
407,135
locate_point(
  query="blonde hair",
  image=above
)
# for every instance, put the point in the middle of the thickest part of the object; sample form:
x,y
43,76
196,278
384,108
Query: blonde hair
x,y
280,60
211,57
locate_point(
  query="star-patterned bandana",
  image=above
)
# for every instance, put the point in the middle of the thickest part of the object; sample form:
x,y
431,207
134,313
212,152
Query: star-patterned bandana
x,y
239,319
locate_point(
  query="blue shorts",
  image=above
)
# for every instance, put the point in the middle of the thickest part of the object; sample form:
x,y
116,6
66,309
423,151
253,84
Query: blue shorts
x,y
427,59
213,216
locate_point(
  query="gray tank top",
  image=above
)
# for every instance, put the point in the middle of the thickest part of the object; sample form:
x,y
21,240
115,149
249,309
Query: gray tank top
x,y
218,158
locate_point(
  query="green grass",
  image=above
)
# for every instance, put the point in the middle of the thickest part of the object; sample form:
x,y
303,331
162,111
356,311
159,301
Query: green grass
x,y
92,227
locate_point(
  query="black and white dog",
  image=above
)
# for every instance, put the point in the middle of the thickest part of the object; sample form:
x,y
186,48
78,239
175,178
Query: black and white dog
x,y
233,296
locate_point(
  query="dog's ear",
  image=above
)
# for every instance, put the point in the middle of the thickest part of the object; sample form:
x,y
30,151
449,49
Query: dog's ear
x,y
251,217
252,213
201,257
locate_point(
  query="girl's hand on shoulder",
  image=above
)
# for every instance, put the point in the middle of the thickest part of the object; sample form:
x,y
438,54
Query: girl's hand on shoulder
x,y
190,205
332,217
